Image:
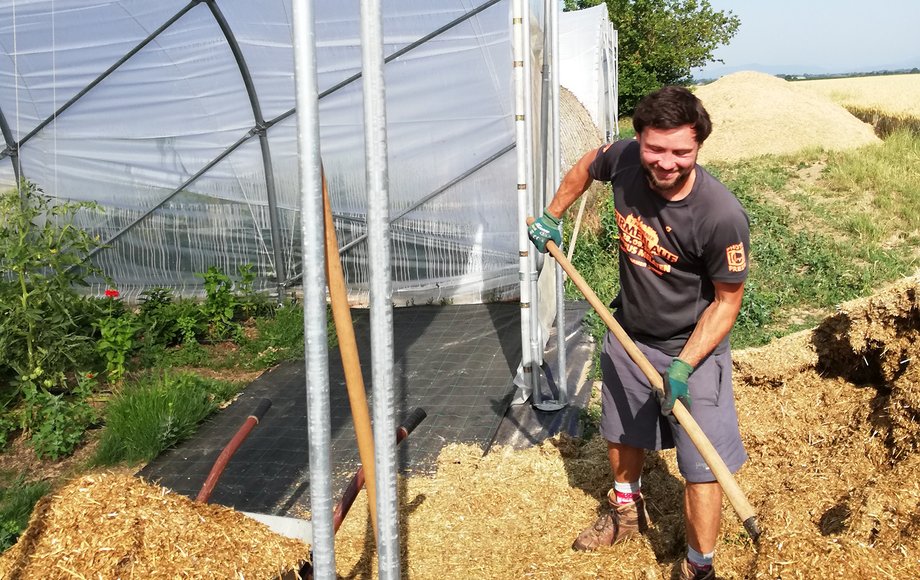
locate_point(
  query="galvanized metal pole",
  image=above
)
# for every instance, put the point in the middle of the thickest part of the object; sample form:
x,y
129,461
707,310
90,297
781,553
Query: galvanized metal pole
x,y
536,332
562,398
314,289
381,304
520,138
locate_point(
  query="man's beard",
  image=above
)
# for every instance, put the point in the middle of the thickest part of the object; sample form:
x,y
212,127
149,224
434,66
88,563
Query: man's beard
x,y
667,187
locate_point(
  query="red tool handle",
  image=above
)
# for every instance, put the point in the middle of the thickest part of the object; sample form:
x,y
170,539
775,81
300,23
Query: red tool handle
x,y
357,482
218,468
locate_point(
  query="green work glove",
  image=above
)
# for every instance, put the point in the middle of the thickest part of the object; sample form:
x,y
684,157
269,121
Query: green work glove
x,y
675,386
545,228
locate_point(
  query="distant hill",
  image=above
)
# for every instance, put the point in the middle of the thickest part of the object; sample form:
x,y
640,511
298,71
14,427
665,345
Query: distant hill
x,y
717,71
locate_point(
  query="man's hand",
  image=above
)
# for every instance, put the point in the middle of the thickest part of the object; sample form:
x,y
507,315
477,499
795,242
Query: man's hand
x,y
545,228
675,386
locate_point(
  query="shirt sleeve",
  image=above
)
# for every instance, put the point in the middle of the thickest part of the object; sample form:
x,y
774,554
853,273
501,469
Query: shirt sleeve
x,y
604,165
728,250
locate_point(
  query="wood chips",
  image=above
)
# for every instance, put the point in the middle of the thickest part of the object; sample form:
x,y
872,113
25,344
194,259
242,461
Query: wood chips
x,y
829,418
110,526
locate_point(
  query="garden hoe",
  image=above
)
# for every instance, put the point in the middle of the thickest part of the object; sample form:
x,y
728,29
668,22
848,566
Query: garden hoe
x,y
702,443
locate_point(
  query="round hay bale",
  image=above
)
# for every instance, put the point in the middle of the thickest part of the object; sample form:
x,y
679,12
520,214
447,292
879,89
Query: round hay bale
x,y
577,131
757,114
577,135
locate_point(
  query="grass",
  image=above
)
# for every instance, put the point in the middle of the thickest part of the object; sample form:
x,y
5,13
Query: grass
x,y
279,338
157,412
17,498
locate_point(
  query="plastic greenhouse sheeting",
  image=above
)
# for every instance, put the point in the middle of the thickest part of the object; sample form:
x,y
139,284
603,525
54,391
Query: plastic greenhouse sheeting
x,y
587,67
177,118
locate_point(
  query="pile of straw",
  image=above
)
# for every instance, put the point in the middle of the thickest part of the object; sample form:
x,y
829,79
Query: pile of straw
x,y
830,418
117,526
757,114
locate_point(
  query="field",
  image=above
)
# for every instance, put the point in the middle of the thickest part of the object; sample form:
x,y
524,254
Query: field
x,y
895,94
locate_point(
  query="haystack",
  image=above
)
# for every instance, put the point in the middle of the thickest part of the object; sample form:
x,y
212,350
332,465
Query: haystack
x,y
578,135
757,114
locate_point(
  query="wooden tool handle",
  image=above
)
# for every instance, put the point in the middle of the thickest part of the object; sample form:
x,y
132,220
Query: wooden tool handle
x,y
704,446
348,347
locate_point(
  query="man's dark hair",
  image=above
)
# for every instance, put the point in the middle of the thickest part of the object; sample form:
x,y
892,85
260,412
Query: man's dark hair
x,y
670,108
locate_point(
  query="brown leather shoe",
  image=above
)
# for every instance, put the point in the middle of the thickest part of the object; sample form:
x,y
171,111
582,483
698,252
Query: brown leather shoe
x,y
617,523
687,572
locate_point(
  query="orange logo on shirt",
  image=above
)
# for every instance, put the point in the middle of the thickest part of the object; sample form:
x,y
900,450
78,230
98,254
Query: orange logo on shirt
x,y
737,261
639,241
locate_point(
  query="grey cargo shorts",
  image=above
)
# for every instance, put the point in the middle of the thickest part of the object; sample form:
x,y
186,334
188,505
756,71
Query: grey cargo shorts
x,y
631,414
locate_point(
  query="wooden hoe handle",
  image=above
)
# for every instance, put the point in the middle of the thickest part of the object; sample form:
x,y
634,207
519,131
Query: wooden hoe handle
x,y
702,443
348,347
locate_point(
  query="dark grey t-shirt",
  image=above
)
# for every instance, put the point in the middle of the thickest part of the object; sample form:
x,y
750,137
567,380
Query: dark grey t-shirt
x,y
670,252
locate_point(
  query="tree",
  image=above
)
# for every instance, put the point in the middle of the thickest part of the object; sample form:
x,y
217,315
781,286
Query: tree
x,y
660,41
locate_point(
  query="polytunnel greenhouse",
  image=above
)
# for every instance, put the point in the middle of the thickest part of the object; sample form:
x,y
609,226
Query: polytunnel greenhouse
x,y
178,119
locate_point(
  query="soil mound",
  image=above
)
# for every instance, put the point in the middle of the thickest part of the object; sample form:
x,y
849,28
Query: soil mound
x,y
757,114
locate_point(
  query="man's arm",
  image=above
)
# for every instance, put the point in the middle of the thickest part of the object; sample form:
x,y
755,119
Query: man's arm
x,y
715,323
574,184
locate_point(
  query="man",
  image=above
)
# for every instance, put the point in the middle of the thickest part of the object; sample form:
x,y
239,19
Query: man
x,y
683,260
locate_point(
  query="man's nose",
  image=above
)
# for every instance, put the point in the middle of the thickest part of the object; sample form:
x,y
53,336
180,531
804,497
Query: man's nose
x,y
667,161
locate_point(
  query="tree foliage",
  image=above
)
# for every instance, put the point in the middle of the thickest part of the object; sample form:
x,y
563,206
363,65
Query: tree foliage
x,y
660,41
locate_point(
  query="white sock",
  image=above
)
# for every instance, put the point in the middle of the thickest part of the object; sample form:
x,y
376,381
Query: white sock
x,y
699,560
627,492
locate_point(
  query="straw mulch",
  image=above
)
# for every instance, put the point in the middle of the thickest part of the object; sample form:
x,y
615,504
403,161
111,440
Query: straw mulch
x,y
108,525
757,114
829,418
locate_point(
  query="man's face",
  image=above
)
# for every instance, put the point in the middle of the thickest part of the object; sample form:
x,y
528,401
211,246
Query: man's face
x,y
668,157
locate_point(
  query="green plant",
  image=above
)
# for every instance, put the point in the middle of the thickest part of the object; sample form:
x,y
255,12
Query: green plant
x,y
17,498
278,338
157,317
157,412
41,263
57,423
117,340
8,426
250,302
220,304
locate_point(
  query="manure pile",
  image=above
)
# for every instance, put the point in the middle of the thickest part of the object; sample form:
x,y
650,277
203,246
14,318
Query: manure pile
x,y
757,114
829,418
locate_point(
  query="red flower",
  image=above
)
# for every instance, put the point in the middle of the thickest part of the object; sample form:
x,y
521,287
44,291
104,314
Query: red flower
x,y
111,293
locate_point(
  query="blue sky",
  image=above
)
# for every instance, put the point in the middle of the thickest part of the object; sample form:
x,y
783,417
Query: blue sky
x,y
820,36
